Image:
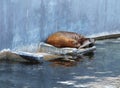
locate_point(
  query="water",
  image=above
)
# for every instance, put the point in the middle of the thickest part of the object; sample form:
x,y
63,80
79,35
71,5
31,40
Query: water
x,y
27,22
100,70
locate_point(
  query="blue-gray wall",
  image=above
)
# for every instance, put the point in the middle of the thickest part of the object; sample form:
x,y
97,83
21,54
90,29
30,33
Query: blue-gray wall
x,y
25,22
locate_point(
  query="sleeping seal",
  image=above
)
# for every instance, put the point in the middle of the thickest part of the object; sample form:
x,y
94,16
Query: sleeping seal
x,y
63,39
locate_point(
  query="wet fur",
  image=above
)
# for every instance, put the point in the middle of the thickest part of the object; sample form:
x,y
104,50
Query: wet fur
x,y
66,39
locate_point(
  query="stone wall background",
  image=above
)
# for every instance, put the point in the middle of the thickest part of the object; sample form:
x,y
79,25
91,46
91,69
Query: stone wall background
x,y
27,22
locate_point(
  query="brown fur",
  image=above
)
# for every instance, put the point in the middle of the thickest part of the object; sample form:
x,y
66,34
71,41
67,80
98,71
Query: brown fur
x,y
66,39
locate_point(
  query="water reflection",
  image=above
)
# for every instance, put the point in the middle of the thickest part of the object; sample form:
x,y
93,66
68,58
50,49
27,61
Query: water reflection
x,y
72,62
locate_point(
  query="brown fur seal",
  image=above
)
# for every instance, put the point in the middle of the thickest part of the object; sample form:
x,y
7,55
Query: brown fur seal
x,y
66,39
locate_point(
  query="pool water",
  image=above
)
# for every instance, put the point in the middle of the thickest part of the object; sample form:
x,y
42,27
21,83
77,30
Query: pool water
x,y
100,69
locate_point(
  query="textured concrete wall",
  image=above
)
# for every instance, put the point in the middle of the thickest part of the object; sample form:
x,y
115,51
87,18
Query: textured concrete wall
x,y
25,22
